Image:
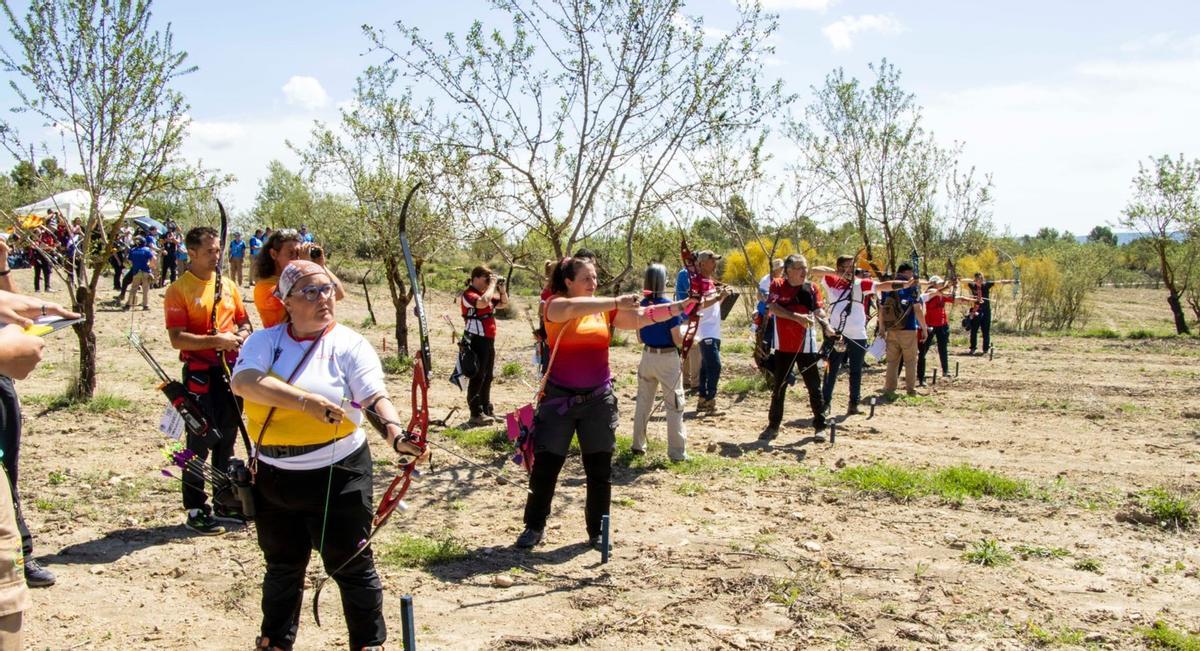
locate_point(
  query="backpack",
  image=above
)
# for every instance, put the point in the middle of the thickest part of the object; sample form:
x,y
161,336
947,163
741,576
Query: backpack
x,y
892,311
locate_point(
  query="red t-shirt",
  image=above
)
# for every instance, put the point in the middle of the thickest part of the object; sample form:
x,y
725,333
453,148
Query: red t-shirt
x,y
790,336
480,320
935,310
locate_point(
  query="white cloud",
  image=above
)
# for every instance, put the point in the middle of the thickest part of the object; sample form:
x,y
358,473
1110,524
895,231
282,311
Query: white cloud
x,y
305,92
216,135
841,32
806,5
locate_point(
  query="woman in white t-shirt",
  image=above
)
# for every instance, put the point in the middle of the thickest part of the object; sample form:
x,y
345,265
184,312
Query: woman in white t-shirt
x,y
313,486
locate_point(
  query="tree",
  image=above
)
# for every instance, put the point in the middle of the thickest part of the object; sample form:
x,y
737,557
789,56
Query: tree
x,y
376,157
102,72
1166,203
868,144
1102,235
575,118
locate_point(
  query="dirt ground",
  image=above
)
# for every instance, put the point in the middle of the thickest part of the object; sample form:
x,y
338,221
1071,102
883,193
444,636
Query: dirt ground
x,y
747,547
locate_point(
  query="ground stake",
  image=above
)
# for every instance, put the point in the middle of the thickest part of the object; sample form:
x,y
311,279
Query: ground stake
x,y
407,622
955,370
872,408
935,377
832,433
991,352
604,539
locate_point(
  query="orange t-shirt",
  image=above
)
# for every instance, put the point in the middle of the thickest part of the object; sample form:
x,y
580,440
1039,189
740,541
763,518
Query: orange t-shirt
x,y
581,361
270,309
188,304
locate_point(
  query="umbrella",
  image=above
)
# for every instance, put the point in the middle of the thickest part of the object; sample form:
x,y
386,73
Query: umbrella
x,y
148,222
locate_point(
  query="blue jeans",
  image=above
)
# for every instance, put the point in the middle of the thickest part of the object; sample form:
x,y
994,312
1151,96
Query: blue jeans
x,y
710,368
855,351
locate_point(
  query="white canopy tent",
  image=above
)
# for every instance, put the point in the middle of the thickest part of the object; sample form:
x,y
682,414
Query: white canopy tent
x,y
77,203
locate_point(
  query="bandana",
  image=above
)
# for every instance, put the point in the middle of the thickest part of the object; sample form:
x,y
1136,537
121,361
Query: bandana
x,y
292,274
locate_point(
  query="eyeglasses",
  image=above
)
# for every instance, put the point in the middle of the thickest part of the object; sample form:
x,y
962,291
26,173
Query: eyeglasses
x,y
312,292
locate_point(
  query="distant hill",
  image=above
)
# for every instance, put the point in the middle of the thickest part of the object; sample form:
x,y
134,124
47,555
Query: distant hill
x,y
1126,238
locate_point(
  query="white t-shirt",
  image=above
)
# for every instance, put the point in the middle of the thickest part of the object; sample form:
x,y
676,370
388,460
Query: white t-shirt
x,y
838,300
344,367
710,322
764,286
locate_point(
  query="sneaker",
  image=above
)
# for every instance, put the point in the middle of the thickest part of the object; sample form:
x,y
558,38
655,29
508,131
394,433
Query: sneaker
x,y
203,523
222,514
770,432
636,452
529,539
596,542
37,576
853,410
479,421
679,459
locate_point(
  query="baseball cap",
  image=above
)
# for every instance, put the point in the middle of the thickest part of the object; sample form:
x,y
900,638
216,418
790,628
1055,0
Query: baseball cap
x,y
777,263
707,255
936,280
292,274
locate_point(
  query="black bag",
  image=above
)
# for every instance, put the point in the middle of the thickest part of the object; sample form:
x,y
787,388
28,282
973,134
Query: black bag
x,y
468,361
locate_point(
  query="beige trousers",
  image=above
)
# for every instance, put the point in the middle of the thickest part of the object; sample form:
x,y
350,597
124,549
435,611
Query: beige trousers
x,y
142,281
692,379
660,370
901,343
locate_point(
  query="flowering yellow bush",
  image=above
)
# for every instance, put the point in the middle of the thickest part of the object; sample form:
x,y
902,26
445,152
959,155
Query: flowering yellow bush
x,y
755,262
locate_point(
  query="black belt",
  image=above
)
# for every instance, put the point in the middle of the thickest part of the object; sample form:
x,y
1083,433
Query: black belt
x,y
659,350
285,451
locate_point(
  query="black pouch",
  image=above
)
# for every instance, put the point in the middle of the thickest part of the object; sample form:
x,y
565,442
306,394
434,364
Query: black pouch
x,y
235,492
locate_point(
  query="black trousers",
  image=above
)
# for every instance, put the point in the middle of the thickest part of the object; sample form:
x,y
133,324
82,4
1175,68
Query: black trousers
x,y
41,269
982,321
223,411
169,265
479,389
327,509
118,265
597,469
10,444
940,334
808,364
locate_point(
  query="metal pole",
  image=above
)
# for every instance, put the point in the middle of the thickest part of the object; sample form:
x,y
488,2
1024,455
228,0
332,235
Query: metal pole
x,y
408,623
832,433
955,370
935,377
604,546
872,408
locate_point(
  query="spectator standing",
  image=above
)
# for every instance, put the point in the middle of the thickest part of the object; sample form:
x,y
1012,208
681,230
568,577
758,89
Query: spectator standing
x,y
170,258
256,244
237,256
141,261
282,247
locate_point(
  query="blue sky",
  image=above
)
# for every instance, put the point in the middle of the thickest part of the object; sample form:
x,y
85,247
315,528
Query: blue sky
x,y
1058,100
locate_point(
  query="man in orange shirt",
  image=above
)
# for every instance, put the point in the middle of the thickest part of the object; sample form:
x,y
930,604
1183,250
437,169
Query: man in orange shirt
x,y
207,341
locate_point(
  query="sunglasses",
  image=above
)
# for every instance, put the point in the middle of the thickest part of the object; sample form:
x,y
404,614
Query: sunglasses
x,y
312,292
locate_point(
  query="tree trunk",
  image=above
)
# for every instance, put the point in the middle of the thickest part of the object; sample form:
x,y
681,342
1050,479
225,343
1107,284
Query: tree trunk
x,y
84,386
400,300
367,293
1181,326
